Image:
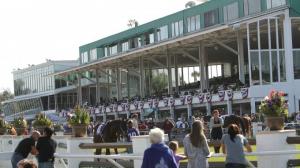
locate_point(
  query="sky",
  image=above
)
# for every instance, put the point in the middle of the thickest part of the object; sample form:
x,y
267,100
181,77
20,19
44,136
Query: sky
x,y
32,31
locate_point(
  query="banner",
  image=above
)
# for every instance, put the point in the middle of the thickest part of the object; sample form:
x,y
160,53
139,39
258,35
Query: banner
x,y
201,98
123,106
136,105
156,102
182,100
189,99
172,102
111,108
208,97
229,94
141,104
166,102
104,109
221,94
244,92
127,107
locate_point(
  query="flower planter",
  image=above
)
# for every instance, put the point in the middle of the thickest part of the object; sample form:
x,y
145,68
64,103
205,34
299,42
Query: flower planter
x,y
275,123
79,130
20,130
2,131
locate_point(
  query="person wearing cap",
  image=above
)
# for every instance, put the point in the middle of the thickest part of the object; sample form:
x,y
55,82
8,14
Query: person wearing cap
x,y
46,147
179,123
25,147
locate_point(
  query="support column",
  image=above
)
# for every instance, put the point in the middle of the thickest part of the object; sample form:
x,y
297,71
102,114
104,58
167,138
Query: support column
x,y
241,110
97,86
55,102
170,90
252,103
104,116
49,102
208,109
118,84
79,90
172,113
142,114
288,46
240,44
128,86
89,94
203,68
142,76
176,74
189,114
229,107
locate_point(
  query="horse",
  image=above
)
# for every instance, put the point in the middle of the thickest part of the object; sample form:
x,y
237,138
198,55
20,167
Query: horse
x,y
244,123
112,131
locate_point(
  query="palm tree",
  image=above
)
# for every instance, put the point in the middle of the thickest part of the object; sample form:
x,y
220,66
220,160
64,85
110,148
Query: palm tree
x,y
159,83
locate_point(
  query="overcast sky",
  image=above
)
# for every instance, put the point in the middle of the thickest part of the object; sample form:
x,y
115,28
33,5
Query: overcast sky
x,y
32,31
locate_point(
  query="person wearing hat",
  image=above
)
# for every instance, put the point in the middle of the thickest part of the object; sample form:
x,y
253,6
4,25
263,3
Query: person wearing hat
x,y
179,123
25,147
46,147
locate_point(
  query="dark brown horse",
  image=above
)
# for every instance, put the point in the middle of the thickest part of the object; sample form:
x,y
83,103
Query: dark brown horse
x,y
243,122
112,131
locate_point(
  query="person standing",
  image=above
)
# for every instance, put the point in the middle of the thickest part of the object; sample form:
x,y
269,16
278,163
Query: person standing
x,y
131,132
168,127
216,132
25,147
232,146
46,147
135,123
158,155
195,147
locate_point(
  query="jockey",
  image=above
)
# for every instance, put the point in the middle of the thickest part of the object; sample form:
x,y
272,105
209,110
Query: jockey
x,y
100,129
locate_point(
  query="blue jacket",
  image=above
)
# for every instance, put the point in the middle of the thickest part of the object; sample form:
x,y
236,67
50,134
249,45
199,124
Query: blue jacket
x,y
159,156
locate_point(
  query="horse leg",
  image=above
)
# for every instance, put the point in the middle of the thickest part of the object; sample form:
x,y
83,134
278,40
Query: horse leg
x,y
116,150
107,151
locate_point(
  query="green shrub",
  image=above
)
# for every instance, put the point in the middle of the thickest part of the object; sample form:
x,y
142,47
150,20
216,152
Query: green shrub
x,y
20,122
41,120
81,117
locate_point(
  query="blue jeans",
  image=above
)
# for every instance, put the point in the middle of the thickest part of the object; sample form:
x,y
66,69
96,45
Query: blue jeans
x,y
16,157
46,165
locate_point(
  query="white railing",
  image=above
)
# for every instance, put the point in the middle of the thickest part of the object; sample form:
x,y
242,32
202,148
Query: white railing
x,y
110,158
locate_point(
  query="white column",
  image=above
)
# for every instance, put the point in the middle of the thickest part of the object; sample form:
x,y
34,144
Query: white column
x,y
172,113
104,116
203,67
79,92
176,74
142,76
128,81
118,84
229,107
240,43
142,114
97,86
288,46
189,114
252,103
208,109
170,90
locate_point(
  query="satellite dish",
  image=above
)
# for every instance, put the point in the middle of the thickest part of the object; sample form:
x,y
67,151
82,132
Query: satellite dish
x,y
190,4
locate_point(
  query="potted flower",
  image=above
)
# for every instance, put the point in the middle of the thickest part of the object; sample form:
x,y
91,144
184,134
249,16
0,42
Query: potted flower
x,y
20,125
274,109
40,122
3,126
79,122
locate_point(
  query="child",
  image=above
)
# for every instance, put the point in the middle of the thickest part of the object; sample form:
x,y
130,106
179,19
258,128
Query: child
x,y
173,145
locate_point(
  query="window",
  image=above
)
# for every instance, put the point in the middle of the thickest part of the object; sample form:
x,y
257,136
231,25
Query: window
x,y
211,18
252,6
214,71
93,54
162,33
125,46
275,3
113,50
177,28
136,42
193,23
231,12
106,51
84,57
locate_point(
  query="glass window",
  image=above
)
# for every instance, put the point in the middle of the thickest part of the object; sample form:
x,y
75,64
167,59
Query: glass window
x,y
162,33
254,67
274,66
275,3
125,46
113,50
211,18
149,38
282,66
106,51
84,57
296,54
93,54
177,28
193,23
231,12
252,6
265,67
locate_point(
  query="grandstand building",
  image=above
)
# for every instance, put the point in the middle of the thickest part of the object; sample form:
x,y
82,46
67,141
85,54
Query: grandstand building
x,y
37,90
225,54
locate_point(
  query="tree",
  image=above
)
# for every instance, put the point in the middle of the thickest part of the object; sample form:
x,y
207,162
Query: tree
x,y
195,74
159,83
5,95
